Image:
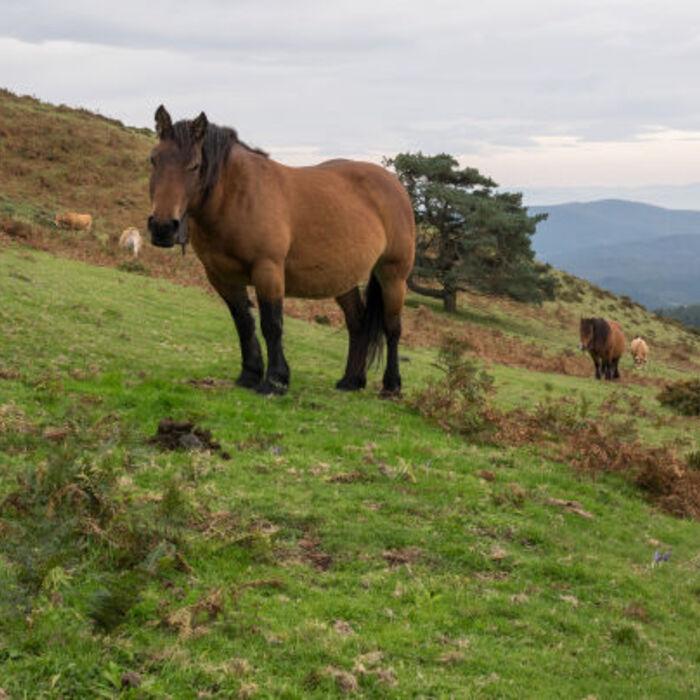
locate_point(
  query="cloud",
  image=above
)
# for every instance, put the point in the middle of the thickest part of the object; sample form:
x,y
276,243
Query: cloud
x,y
503,82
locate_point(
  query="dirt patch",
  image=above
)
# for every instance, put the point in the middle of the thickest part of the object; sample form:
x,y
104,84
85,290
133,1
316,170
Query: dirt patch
x,y
185,435
311,552
210,383
571,506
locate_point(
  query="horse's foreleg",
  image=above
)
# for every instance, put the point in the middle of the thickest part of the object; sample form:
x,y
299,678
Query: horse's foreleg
x,y
251,357
597,363
355,376
277,378
615,370
608,369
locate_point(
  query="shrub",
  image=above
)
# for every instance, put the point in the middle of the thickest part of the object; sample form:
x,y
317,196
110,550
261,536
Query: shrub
x,y
134,266
458,400
682,396
16,229
693,460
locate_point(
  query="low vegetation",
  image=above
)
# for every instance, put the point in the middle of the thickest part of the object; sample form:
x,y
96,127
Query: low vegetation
x,y
348,545
682,396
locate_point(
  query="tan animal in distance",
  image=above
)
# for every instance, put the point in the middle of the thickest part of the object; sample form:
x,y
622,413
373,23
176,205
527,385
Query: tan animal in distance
x,y
640,352
131,240
73,221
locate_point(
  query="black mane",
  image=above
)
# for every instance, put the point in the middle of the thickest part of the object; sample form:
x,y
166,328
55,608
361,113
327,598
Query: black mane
x,y
601,329
218,141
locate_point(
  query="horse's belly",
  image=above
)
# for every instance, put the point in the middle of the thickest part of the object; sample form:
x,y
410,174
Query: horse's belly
x,y
319,280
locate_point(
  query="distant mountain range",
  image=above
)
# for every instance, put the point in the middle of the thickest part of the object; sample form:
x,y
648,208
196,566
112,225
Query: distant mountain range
x,y
649,253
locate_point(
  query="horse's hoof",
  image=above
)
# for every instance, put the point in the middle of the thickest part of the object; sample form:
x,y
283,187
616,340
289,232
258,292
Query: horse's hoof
x,y
248,380
351,384
268,387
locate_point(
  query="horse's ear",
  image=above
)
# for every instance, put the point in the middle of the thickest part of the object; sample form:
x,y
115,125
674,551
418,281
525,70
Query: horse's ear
x,y
198,127
164,124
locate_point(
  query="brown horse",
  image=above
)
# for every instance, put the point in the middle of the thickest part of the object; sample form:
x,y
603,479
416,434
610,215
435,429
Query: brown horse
x,y
605,342
310,232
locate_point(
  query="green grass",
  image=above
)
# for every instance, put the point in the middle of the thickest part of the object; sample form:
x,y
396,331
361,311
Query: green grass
x,y
342,525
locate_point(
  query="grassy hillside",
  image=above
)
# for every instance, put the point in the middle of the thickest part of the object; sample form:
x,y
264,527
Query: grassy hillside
x,y
331,543
347,545
56,159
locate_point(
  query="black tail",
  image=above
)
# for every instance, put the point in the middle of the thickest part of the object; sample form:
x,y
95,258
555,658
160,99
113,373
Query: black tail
x,y
373,320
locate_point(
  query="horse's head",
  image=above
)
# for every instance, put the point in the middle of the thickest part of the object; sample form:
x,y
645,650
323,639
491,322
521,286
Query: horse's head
x,y
175,177
587,333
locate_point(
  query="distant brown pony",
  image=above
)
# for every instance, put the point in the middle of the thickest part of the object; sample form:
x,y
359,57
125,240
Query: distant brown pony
x,y
311,232
605,342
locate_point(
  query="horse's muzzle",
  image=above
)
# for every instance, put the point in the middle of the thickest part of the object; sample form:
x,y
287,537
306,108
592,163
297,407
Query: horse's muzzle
x,y
163,233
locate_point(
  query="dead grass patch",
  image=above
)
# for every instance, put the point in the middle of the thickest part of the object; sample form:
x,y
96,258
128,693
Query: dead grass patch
x,y
349,477
657,471
309,547
191,620
345,681
401,557
683,397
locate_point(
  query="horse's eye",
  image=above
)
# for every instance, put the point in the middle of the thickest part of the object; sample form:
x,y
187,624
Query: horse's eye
x,y
194,167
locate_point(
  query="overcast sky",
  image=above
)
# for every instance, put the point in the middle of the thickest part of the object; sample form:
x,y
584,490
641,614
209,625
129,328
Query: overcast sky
x,y
564,100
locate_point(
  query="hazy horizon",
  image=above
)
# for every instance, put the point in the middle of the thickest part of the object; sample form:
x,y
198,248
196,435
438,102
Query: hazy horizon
x,y
561,100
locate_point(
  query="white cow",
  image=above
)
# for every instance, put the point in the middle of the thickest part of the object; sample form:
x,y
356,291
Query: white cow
x,y
131,240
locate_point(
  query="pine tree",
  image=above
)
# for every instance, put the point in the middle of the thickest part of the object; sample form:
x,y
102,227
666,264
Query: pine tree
x,y
468,235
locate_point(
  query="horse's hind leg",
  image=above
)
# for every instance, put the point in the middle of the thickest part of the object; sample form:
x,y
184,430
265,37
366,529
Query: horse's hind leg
x,y
277,378
268,278
393,294
355,376
252,361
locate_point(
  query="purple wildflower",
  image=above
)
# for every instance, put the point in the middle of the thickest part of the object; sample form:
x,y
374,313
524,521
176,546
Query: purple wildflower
x,y
659,558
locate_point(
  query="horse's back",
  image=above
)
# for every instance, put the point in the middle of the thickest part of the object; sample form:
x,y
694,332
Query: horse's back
x,y
616,340
380,191
354,216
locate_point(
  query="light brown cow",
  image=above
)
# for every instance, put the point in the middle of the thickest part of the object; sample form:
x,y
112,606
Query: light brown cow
x,y
131,240
73,221
640,352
